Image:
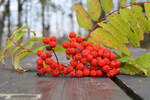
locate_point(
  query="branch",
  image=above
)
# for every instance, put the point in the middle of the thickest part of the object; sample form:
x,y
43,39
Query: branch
x,y
103,18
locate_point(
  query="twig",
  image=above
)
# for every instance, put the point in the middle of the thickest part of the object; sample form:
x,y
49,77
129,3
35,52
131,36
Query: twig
x,y
55,56
103,18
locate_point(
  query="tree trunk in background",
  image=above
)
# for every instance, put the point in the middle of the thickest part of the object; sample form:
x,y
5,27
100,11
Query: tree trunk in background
x,y
9,20
2,22
62,23
43,20
19,13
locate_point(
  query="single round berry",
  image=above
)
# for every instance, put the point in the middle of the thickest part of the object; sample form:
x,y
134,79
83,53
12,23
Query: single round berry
x,y
86,72
46,40
79,73
93,73
72,34
99,73
52,44
72,74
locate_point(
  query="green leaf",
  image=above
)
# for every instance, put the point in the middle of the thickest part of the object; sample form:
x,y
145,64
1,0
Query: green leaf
x,y
144,60
131,70
139,66
147,9
115,32
122,2
26,42
129,17
107,39
138,14
22,54
83,17
94,9
14,37
118,22
106,5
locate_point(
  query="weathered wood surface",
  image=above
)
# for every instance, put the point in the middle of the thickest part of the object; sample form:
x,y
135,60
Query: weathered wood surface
x,y
140,85
28,86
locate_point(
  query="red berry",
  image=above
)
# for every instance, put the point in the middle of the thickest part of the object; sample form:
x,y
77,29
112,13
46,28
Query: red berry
x,y
94,53
107,61
86,72
39,52
48,54
79,73
84,43
72,51
61,67
113,63
99,73
72,74
70,68
48,70
106,68
80,66
77,57
106,54
65,72
66,44
55,73
52,44
94,62
85,52
79,39
118,63
72,34
112,56
48,61
53,38
100,52
39,61
89,57
43,56
101,62
39,67
93,73
73,62
118,71
54,65
83,60
46,40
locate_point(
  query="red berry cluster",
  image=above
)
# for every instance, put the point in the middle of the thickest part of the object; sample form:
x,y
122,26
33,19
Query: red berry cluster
x,y
87,59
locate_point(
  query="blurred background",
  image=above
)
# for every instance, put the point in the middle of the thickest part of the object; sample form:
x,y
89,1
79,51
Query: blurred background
x,y
45,17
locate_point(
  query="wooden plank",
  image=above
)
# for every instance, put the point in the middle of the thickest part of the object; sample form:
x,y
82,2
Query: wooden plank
x,y
140,85
92,89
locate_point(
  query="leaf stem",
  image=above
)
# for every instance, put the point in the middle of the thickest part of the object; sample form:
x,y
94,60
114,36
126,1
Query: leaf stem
x,y
103,18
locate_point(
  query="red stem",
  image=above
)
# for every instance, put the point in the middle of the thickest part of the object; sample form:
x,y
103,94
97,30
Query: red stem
x,y
101,19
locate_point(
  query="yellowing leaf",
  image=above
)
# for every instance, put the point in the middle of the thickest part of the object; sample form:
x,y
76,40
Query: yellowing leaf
x,y
107,39
83,17
94,9
106,5
144,60
115,32
122,2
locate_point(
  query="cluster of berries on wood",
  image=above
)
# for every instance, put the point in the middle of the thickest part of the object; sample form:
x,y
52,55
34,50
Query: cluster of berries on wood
x,y
86,59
